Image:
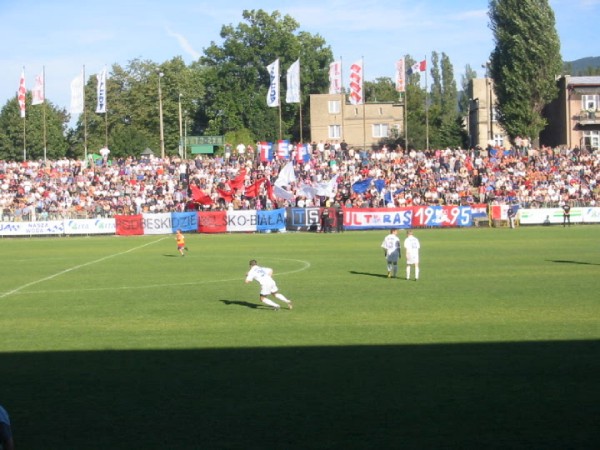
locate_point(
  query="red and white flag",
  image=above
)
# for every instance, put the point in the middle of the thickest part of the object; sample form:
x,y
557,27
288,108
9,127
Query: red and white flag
x,y
400,78
37,94
21,94
335,77
356,83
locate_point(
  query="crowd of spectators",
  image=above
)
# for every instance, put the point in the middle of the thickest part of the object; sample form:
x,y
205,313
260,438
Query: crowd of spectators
x,y
68,188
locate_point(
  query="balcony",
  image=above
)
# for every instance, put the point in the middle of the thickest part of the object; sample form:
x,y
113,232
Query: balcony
x,y
588,117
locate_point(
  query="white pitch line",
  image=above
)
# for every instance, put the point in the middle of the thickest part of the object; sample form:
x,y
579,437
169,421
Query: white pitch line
x,y
305,266
62,272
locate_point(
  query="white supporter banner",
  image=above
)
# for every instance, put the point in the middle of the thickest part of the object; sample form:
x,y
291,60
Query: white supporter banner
x,y
157,223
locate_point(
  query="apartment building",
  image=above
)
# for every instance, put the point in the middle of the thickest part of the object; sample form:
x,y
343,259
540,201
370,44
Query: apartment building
x,y
574,116
332,118
482,127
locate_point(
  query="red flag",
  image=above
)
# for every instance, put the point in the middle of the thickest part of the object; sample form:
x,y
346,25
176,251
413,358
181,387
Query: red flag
x,y
356,83
269,187
225,195
21,94
423,65
254,189
238,182
200,196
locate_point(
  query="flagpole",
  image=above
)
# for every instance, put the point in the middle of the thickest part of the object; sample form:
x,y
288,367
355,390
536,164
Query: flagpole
x,y
44,110
85,149
364,101
426,107
343,105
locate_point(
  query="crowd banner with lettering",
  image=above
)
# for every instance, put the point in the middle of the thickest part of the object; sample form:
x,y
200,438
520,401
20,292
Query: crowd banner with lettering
x,y
212,222
40,228
271,220
292,219
377,218
184,221
130,225
442,216
302,219
550,216
90,226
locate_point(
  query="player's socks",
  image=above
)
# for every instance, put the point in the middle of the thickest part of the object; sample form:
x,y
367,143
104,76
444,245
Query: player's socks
x,y
282,298
408,272
266,301
416,273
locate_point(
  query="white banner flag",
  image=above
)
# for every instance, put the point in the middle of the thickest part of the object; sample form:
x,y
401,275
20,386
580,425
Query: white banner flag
x,y
273,93
37,93
101,105
77,94
400,78
292,94
335,77
286,175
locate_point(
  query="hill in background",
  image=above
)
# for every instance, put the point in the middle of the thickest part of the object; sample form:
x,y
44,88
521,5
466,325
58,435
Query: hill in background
x,y
583,66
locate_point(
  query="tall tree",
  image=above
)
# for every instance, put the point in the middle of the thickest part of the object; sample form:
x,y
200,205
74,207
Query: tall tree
x,y
524,63
236,78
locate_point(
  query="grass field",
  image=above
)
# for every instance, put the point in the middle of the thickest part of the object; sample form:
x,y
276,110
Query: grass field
x,y
118,342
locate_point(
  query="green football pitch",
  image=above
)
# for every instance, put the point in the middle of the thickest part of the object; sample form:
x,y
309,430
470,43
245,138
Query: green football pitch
x,y
120,343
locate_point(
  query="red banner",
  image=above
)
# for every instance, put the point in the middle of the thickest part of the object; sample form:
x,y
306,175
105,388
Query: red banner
x,y
212,222
129,225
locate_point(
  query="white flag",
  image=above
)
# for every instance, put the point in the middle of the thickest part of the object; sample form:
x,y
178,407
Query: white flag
x,y
101,105
335,77
400,77
286,175
37,93
292,94
77,94
273,93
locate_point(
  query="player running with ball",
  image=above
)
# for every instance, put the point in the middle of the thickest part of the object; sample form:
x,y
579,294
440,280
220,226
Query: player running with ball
x,y
264,276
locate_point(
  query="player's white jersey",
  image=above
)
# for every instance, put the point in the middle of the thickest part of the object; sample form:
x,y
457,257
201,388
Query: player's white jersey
x,y
259,274
391,244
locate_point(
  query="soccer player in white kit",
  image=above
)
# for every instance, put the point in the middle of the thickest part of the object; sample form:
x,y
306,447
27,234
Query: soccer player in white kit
x,y
264,276
411,247
391,248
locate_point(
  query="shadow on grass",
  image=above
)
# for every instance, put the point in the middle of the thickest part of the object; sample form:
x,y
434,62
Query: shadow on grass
x,y
246,304
370,274
561,261
492,396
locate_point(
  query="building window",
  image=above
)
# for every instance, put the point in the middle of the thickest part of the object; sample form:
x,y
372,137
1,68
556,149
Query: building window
x,y
591,140
590,102
498,140
380,130
335,131
334,106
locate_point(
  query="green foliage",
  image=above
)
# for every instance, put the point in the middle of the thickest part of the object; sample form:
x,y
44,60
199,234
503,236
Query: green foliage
x,y
236,78
43,126
381,90
502,328
524,63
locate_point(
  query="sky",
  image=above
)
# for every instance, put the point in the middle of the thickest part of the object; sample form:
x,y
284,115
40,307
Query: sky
x,y
60,37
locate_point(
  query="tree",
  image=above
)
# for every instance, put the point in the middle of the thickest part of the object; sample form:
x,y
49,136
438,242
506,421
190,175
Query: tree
x,y
236,78
524,63
15,129
381,90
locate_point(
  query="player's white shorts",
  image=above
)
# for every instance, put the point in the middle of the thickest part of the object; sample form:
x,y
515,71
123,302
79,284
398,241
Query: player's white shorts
x,y
412,259
268,286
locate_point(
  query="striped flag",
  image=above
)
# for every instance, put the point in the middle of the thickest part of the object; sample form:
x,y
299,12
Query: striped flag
x,y
37,93
356,83
101,105
273,92
266,151
335,77
21,94
292,94
283,149
77,94
302,153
